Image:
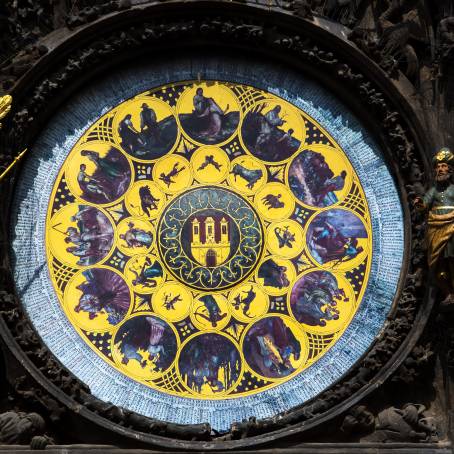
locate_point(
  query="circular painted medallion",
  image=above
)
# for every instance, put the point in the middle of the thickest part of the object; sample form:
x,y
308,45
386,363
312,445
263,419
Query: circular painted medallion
x,y
210,238
209,243
214,236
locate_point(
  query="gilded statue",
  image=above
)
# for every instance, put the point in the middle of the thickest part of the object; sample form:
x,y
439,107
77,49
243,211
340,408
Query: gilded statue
x,y
438,202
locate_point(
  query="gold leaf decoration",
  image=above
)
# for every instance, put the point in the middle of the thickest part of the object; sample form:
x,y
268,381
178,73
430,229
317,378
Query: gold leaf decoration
x,y
5,106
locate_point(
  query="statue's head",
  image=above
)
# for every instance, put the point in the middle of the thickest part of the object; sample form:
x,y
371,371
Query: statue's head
x,y
443,163
37,422
30,424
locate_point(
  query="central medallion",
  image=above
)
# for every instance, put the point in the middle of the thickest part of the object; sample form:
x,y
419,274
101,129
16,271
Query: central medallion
x,y
210,238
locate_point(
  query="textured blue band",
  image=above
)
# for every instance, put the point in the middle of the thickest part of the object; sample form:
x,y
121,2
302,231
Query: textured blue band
x,y
37,293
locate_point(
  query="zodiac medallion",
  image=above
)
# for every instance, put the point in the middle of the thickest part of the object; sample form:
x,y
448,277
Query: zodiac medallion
x,y
208,239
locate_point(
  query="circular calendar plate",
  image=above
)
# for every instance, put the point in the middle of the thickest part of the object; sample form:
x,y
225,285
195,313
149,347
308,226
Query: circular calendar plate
x,y
213,248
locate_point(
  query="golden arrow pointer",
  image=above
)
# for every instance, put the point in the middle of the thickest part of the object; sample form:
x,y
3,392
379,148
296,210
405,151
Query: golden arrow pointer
x,y
5,106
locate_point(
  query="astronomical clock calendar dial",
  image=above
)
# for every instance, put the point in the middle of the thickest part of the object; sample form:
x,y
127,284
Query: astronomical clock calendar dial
x,y
213,248
213,235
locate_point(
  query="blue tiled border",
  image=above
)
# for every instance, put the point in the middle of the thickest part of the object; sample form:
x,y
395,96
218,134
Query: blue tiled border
x,y
37,294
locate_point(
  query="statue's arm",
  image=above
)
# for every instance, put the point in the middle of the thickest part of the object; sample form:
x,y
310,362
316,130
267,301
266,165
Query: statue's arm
x,y
428,197
426,201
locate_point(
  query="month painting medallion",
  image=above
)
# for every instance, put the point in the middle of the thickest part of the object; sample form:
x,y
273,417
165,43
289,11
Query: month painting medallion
x,y
209,240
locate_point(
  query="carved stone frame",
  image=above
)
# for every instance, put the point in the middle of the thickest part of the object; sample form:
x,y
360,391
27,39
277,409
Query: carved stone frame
x,y
294,41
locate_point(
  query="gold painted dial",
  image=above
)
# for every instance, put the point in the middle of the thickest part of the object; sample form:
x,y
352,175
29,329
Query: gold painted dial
x,y
208,239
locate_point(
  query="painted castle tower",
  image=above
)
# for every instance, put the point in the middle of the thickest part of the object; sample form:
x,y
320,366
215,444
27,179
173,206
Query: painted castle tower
x,y
211,252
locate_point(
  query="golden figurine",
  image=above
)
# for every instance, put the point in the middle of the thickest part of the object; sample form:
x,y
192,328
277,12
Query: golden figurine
x,y
439,203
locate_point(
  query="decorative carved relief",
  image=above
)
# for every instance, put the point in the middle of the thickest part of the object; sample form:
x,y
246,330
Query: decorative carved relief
x,y
251,33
